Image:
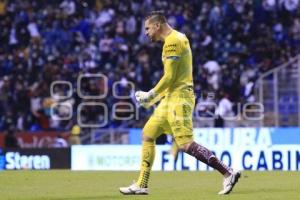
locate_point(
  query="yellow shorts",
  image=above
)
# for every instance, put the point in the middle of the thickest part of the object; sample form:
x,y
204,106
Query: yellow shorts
x,y
173,116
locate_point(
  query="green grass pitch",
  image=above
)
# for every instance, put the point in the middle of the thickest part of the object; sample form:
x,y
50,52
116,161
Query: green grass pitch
x,y
74,185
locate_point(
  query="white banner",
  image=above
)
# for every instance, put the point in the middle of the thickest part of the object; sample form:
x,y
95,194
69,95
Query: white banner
x,y
127,157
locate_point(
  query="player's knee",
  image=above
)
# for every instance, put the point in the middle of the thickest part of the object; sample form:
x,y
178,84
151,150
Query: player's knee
x,y
184,147
184,142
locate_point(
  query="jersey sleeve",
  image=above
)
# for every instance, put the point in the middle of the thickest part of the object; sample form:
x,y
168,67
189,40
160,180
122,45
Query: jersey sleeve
x,y
172,49
171,57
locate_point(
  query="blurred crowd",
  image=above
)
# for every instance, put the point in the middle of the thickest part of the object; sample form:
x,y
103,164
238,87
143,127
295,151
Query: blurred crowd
x,y
71,41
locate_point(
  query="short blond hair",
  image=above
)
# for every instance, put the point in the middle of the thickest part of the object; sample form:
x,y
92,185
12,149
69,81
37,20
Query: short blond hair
x,y
156,16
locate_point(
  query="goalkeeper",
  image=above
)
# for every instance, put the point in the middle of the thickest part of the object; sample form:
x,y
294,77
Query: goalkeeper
x,y
174,112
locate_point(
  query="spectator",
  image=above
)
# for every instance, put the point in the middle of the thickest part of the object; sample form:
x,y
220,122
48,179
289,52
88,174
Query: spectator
x,y
59,142
290,5
68,7
74,137
223,110
10,139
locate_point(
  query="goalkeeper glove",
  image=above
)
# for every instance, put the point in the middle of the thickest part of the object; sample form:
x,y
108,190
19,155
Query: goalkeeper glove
x,y
144,98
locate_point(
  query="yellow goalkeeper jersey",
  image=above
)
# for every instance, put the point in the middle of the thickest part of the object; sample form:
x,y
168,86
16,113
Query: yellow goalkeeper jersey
x,y
177,61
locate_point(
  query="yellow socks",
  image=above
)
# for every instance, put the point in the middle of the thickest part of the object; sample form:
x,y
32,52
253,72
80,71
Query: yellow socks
x,y
148,153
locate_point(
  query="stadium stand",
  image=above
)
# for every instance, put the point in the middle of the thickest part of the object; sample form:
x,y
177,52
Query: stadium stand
x,y
233,42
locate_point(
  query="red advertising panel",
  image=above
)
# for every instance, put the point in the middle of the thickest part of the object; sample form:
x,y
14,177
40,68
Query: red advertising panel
x,y
36,139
